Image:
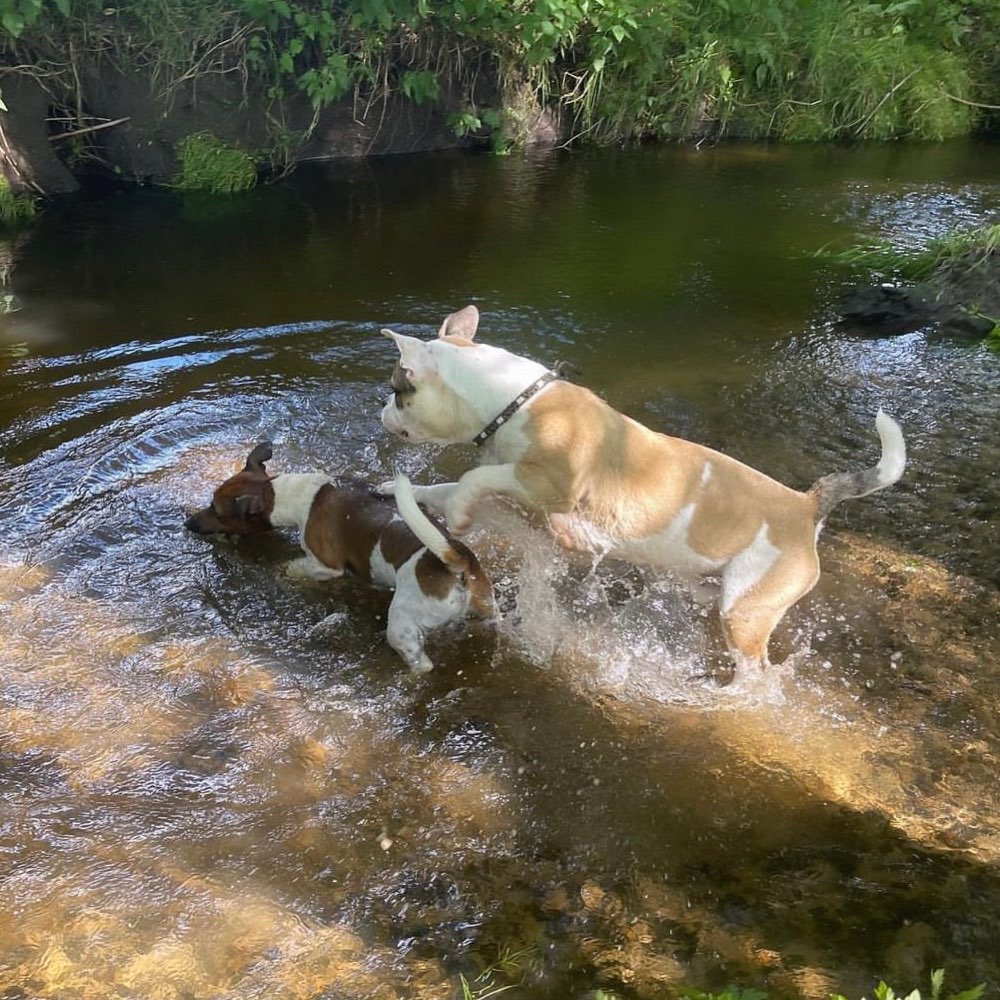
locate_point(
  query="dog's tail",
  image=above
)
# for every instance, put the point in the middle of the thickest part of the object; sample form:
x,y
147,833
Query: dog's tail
x,y
426,530
833,489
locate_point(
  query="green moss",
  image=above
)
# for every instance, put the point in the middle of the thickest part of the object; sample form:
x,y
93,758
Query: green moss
x,y
209,165
16,210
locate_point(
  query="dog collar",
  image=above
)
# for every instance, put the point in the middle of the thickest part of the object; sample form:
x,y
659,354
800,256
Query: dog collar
x,y
501,418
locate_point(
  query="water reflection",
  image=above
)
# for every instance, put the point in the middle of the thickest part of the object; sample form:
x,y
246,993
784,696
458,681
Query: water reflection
x,y
200,796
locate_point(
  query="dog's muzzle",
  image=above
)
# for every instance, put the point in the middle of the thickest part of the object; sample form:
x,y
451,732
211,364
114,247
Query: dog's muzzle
x,y
391,422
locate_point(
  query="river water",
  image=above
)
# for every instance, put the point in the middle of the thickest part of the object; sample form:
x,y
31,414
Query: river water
x,y
203,796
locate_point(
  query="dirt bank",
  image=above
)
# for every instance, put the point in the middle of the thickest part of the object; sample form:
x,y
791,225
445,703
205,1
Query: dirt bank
x,y
128,125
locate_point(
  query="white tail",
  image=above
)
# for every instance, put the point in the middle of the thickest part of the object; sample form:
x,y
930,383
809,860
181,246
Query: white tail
x,y
422,526
841,486
893,460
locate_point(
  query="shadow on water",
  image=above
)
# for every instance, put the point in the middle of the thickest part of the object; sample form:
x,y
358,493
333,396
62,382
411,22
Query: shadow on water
x,y
202,796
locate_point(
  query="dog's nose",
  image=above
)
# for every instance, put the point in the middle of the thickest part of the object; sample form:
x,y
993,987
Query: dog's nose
x,y
193,523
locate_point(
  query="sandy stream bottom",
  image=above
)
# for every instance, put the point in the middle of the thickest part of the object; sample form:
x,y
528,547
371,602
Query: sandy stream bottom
x,y
186,816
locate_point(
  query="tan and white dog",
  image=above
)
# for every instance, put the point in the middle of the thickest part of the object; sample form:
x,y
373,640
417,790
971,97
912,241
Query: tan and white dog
x,y
345,525
606,484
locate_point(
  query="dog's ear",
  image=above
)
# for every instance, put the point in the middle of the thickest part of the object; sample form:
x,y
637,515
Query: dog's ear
x,y
414,355
256,459
463,323
249,503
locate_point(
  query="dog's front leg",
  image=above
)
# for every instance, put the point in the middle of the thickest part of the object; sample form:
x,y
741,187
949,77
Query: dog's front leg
x,y
575,534
308,567
476,485
434,498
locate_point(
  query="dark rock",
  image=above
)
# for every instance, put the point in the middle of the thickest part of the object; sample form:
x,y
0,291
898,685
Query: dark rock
x,y
959,322
961,300
886,309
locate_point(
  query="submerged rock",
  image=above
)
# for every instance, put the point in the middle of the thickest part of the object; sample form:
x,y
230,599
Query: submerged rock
x,y
886,309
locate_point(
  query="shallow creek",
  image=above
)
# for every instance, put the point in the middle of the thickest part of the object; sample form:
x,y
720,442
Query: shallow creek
x,y
202,796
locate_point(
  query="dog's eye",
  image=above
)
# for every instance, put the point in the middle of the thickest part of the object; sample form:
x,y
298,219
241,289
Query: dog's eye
x,y
400,382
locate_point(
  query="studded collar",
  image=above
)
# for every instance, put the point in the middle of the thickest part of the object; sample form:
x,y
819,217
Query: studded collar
x,y
501,418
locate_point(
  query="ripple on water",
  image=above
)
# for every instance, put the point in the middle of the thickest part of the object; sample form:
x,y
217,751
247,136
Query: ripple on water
x,y
207,794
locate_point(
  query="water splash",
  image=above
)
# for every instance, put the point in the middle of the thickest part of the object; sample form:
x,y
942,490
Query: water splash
x,y
612,628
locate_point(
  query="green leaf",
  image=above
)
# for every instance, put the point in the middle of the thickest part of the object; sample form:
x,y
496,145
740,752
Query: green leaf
x,y
619,32
937,981
12,22
420,86
975,992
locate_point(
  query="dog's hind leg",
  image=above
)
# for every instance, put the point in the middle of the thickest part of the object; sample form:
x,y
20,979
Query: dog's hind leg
x,y
751,611
407,637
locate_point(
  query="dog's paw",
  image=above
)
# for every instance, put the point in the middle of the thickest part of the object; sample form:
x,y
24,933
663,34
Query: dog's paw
x,y
330,625
459,518
309,568
387,489
421,665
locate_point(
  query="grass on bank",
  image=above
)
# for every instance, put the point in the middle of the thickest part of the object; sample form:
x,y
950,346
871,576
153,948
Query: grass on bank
x,y
209,165
948,266
16,210
971,247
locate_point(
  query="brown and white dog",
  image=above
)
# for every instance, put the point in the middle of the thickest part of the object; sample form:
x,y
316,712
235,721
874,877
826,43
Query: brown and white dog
x,y
606,484
344,525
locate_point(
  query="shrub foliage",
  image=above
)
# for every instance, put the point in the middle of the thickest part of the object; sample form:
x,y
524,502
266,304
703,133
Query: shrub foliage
x,y
615,69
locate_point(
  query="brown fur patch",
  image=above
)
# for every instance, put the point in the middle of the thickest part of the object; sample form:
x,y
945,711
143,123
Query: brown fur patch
x,y
240,506
398,543
345,520
435,579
